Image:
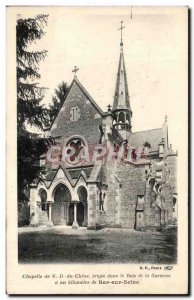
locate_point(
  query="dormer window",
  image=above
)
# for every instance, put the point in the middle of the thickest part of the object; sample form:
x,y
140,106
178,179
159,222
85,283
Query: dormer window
x,y
140,199
161,150
74,114
42,162
159,174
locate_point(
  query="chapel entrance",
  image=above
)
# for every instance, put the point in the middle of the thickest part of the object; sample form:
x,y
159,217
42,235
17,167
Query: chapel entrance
x,y
62,197
80,214
78,211
71,214
82,207
43,206
43,198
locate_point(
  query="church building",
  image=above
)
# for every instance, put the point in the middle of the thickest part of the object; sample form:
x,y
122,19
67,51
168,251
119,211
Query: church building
x,y
100,173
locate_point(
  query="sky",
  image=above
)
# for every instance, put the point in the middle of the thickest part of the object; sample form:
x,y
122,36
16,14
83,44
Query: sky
x,y
155,51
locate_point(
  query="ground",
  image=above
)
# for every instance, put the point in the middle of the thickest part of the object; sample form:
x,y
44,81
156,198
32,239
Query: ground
x,y
66,245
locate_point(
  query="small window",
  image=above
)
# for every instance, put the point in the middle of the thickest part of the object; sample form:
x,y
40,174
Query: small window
x,y
161,148
42,162
159,174
139,216
101,200
74,114
140,199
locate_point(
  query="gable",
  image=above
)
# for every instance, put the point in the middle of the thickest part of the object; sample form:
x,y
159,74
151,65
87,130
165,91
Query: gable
x,y
79,115
60,174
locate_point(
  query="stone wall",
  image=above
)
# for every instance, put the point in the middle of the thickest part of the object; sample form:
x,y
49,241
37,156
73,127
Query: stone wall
x,y
150,206
171,162
123,188
168,195
111,193
92,206
130,177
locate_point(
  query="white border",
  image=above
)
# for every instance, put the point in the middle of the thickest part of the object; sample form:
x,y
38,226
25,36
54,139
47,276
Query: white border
x,y
3,5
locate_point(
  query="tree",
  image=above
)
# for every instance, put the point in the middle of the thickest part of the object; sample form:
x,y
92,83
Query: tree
x,y
57,100
30,110
29,94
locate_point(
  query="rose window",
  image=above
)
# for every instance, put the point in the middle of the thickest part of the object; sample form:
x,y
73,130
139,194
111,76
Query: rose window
x,y
75,145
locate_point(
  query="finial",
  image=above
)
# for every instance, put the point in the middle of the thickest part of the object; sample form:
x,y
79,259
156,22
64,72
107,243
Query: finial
x,y
121,29
75,70
109,107
166,118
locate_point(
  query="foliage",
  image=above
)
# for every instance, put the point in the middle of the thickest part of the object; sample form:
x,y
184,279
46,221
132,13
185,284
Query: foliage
x,y
30,110
29,94
57,100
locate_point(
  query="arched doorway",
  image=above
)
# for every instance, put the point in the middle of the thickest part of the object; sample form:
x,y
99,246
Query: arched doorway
x,y
82,207
43,197
71,214
80,214
62,198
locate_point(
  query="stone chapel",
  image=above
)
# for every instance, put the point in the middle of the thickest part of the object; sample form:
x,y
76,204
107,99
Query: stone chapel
x,y
136,191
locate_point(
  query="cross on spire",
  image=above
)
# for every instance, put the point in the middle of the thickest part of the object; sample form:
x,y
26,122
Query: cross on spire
x,y
109,107
75,70
121,29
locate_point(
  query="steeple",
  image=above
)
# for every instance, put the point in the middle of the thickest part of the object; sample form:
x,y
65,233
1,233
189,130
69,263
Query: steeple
x,y
121,104
121,97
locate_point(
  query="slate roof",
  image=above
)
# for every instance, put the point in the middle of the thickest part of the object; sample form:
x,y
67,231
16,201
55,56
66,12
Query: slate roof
x,y
153,136
87,95
50,176
74,173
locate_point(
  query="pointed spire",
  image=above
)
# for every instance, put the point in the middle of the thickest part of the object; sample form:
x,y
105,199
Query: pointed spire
x,y
121,97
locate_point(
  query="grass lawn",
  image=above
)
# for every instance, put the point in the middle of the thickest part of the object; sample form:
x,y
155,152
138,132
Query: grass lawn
x,y
62,244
